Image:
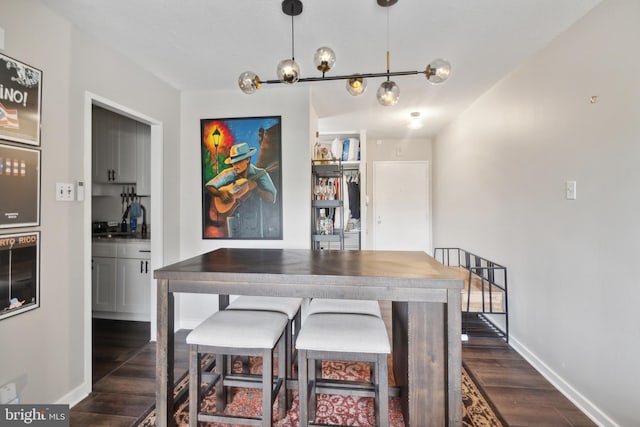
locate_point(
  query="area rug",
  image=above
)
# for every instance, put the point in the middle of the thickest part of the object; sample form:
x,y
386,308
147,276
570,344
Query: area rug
x,y
331,409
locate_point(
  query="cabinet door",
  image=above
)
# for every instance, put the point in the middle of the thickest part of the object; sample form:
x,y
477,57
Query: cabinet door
x,y
133,284
143,170
125,151
104,136
103,284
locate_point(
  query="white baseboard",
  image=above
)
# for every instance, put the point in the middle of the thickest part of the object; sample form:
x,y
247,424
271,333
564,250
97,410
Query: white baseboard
x,y
584,404
75,396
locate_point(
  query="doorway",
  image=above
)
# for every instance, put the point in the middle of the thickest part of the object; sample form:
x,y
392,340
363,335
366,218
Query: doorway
x,y
156,216
401,206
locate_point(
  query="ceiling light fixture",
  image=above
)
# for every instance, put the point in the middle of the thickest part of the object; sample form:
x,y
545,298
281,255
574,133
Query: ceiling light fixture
x,y
388,93
415,122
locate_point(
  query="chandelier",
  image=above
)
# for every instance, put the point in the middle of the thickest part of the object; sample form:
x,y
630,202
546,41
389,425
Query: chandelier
x,y
388,93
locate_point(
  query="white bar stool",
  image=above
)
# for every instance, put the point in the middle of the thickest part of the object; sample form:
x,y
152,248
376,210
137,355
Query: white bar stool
x,y
353,337
288,306
352,306
245,333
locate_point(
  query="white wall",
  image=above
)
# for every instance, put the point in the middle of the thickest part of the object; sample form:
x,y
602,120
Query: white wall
x,y
500,172
293,105
43,350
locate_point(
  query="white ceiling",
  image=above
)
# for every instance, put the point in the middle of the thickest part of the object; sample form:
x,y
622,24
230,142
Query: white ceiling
x,y
206,44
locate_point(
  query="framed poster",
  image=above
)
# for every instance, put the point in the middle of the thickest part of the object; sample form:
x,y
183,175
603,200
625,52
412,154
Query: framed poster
x,y
19,186
241,178
19,273
20,101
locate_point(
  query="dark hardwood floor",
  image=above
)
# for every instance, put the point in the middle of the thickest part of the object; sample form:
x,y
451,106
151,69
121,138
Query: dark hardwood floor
x,y
521,395
124,378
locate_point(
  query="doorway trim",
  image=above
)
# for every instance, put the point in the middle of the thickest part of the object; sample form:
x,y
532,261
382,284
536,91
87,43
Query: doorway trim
x,y
156,218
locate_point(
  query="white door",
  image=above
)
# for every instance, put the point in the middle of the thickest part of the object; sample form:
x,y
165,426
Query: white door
x,y
401,206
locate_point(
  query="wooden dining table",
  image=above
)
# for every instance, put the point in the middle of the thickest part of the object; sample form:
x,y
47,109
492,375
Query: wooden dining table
x,y
426,313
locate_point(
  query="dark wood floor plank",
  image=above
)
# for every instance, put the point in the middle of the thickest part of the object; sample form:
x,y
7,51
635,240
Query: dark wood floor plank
x,y
114,403
84,419
126,385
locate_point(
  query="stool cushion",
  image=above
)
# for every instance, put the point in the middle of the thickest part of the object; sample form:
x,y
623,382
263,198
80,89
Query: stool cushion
x,y
288,306
354,306
240,329
349,333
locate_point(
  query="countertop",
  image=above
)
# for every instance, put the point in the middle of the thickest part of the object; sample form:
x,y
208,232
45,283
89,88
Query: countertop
x,y
119,236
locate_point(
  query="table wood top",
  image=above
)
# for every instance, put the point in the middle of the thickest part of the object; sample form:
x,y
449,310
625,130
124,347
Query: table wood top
x,y
409,269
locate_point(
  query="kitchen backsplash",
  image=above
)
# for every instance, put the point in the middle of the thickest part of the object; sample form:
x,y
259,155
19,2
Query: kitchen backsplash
x,y
111,207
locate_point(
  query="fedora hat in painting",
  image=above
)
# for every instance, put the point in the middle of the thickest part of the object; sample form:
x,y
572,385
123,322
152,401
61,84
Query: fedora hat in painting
x,y
239,152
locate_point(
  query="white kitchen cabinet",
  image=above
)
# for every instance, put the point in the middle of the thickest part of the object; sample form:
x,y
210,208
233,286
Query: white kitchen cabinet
x,y
132,286
143,158
114,139
122,279
103,277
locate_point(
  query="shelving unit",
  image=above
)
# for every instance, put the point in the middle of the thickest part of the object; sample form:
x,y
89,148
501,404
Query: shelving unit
x,y
328,190
349,215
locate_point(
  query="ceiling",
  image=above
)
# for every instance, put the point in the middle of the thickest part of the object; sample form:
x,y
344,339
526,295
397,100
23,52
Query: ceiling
x,y
206,44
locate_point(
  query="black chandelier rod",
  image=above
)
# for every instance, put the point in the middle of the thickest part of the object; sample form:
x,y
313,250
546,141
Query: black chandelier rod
x,y
352,76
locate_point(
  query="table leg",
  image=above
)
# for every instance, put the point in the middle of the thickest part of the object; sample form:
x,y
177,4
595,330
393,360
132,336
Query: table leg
x,y
454,355
426,366
164,356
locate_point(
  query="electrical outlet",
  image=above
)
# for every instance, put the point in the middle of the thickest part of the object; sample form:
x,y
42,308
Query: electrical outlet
x,y
8,393
65,192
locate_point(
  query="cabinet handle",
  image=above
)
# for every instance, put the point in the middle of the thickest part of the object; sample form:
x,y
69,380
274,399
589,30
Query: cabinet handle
x,y
146,267
141,267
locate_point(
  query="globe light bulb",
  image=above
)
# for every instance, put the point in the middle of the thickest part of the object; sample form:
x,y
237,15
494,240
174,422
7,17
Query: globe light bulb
x,y
356,86
249,82
438,71
288,71
388,93
324,59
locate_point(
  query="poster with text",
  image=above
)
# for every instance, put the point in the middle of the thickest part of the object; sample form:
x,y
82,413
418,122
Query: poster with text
x,y
241,178
19,273
20,101
19,186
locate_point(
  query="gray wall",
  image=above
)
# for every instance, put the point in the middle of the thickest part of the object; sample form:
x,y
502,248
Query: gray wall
x,y
43,351
500,172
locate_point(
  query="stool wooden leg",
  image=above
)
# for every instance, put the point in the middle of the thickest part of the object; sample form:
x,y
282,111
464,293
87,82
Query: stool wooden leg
x,y
382,391
315,372
303,387
267,388
221,393
283,374
288,352
194,385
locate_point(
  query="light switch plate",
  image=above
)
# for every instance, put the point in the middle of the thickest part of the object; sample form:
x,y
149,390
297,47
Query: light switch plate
x,y
65,191
570,189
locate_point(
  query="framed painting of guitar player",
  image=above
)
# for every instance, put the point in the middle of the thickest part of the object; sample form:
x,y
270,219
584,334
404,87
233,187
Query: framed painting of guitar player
x,y
241,178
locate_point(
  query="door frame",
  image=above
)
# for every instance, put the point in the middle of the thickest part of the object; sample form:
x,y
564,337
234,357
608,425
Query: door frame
x,y
156,217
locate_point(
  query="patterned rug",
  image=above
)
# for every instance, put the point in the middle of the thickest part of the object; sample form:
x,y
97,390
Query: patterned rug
x,y
331,409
